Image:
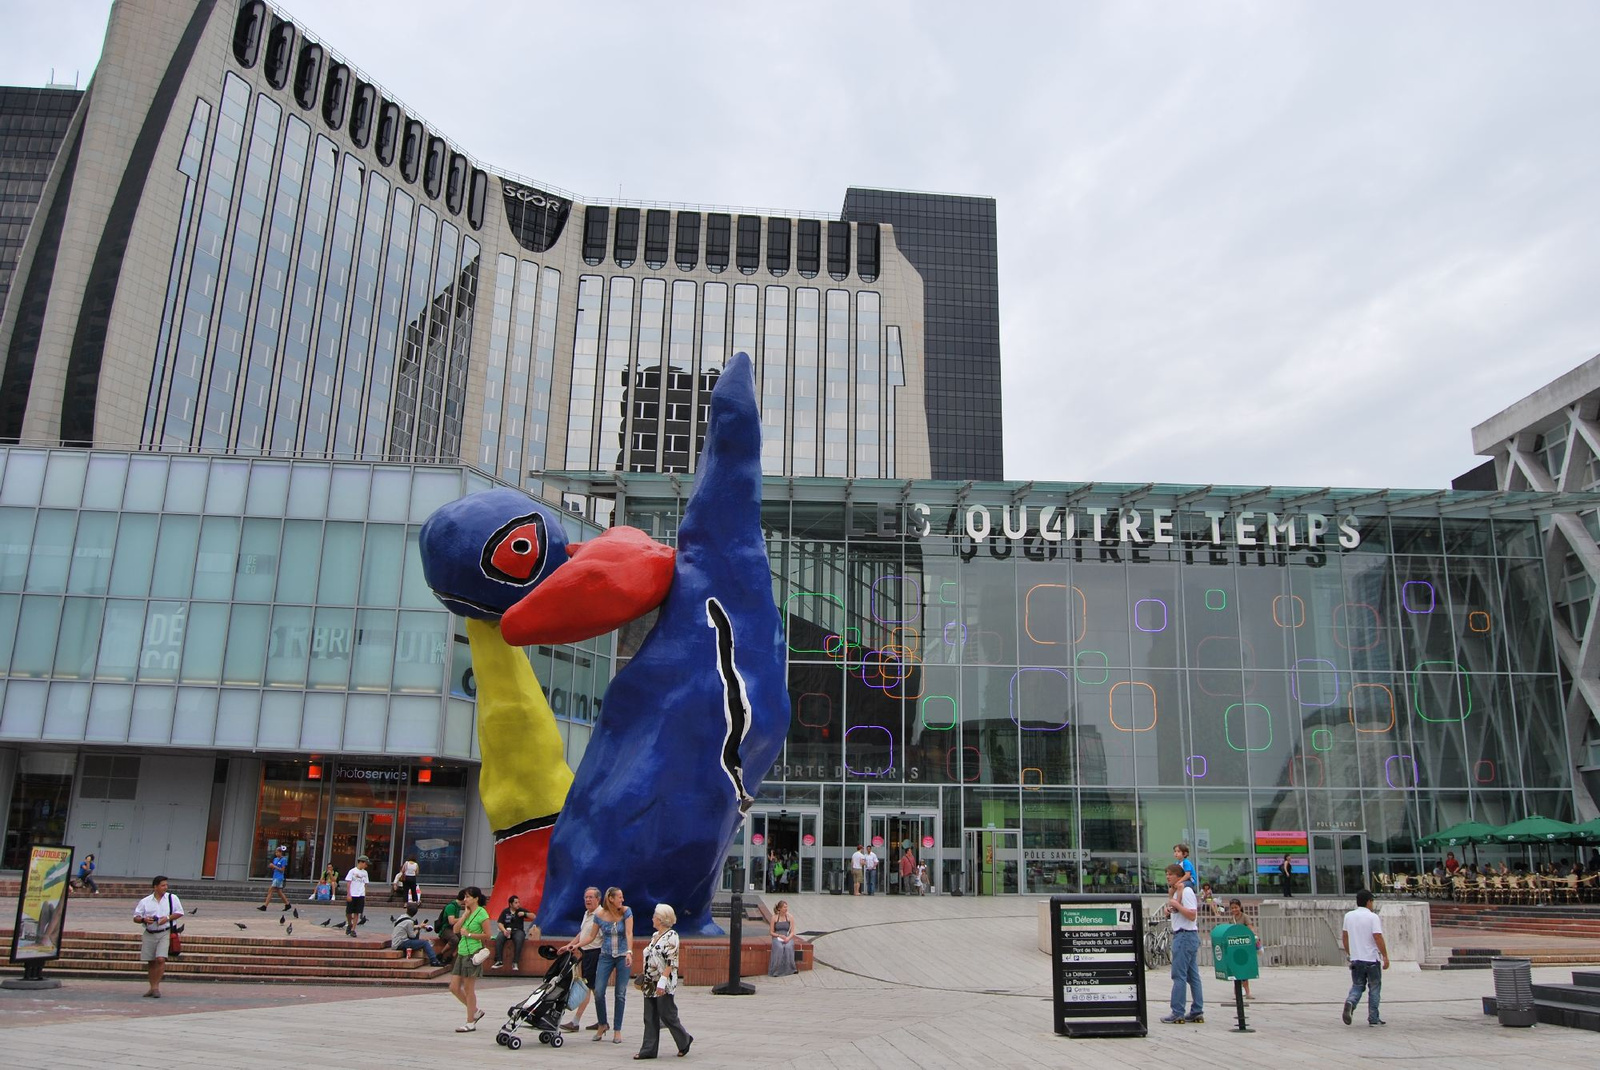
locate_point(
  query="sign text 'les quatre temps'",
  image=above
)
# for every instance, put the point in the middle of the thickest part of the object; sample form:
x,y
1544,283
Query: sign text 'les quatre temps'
x,y
1132,527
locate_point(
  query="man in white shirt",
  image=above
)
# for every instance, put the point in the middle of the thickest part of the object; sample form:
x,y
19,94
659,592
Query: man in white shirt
x,y
869,866
1183,908
156,914
355,909
1363,943
857,860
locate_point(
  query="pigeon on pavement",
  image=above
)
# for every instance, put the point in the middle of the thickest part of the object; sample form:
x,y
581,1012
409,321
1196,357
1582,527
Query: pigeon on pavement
x,y
297,912
280,919
289,931
326,922
241,925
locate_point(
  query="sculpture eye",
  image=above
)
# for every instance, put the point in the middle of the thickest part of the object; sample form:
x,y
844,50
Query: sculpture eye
x,y
517,554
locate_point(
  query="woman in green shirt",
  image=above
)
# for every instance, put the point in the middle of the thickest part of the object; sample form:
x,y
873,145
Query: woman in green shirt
x,y
472,926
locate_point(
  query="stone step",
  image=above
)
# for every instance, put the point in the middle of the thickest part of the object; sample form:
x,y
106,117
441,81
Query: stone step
x,y
1575,994
1585,979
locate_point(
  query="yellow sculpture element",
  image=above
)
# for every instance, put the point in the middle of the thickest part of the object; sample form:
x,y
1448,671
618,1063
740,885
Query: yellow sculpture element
x,y
524,775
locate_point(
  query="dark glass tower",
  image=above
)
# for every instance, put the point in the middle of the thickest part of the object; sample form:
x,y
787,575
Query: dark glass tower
x,y
951,242
32,124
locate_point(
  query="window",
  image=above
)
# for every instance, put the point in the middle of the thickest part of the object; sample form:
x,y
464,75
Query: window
x,y
109,777
867,238
308,75
455,190
657,225
477,198
625,243
247,30
749,253
411,151
688,246
388,132
838,249
335,95
810,251
595,222
280,52
719,232
433,169
363,107
778,247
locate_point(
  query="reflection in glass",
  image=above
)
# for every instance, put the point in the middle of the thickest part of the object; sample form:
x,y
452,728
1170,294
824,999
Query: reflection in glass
x,y
836,386
585,373
408,363
774,379
364,307
390,303
868,442
614,377
233,320
199,303
189,167
290,378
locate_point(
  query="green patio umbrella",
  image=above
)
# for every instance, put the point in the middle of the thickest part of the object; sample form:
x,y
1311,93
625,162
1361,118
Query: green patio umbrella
x,y
1587,833
1458,835
1534,830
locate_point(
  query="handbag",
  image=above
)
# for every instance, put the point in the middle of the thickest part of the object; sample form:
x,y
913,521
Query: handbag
x,y
174,943
480,956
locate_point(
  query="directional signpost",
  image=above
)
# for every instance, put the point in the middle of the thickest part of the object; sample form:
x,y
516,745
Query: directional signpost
x,y
1097,965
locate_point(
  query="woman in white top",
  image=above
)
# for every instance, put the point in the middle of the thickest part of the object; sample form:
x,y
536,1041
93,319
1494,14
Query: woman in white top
x,y
659,981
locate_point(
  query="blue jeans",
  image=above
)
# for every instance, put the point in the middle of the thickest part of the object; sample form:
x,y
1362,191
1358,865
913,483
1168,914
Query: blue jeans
x,y
1369,976
872,882
1186,971
424,946
608,966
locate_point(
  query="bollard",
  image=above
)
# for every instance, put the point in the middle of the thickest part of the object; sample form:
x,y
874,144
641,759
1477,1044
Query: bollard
x,y
734,986
1238,1002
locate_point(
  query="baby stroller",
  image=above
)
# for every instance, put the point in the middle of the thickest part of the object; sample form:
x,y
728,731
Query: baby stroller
x,y
543,1009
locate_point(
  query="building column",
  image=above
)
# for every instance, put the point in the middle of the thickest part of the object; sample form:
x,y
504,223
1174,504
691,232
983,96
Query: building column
x,y
236,839
8,783
477,839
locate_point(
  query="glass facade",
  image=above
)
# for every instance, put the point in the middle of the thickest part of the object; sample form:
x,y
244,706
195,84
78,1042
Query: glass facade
x,y
1107,674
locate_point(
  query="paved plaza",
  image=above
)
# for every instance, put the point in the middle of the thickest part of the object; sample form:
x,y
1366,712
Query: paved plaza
x,y
899,983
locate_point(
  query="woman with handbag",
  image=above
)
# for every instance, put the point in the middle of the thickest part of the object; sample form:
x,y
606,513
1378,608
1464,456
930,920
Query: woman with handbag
x,y
472,926
613,922
658,980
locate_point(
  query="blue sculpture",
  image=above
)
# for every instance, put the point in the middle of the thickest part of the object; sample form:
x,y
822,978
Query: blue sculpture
x,y
695,720
692,724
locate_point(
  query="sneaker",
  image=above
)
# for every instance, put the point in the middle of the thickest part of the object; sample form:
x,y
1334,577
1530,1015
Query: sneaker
x,y
1172,1019
263,906
515,968
1349,1010
1195,1019
495,966
1378,1021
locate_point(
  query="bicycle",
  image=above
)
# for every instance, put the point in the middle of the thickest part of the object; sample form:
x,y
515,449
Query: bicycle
x,y
1157,944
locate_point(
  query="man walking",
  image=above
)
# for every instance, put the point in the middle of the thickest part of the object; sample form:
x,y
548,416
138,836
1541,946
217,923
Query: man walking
x,y
355,909
279,864
156,914
857,860
1183,908
591,957
1369,957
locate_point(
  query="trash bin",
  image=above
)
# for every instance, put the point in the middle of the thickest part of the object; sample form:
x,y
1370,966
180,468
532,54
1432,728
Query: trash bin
x,y
1513,992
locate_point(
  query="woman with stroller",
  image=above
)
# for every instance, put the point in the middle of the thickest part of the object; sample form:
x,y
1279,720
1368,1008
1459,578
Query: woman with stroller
x,y
472,926
659,981
781,962
614,924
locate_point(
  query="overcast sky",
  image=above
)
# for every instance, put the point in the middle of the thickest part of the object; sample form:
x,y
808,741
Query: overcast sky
x,y
1272,242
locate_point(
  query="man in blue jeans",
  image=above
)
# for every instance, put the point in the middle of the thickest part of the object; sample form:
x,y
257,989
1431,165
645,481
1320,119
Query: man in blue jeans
x,y
1183,908
1369,957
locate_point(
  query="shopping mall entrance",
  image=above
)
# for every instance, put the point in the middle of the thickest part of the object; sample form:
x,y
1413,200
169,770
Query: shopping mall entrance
x,y
993,861
1338,863
894,832
780,851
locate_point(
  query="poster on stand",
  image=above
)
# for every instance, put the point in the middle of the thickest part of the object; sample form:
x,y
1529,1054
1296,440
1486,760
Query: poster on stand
x,y
1097,965
42,904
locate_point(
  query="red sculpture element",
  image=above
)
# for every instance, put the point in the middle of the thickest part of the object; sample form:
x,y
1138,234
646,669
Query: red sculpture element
x,y
518,553
608,581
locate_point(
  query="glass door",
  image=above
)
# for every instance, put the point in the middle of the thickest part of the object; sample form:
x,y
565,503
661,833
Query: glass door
x,y
363,832
779,851
993,861
1338,863
893,835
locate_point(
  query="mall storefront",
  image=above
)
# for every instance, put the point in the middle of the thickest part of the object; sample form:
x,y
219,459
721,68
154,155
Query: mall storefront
x,y
1044,687
202,658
